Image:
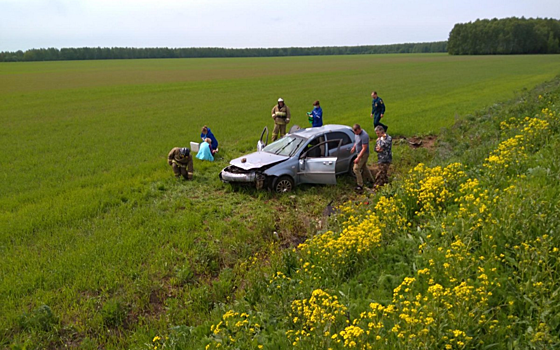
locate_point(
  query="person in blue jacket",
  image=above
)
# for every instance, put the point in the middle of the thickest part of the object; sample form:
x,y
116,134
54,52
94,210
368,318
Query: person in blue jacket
x,y
316,115
207,134
377,110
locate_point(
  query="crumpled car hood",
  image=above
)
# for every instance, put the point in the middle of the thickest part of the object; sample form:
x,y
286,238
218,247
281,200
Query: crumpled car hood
x,y
257,160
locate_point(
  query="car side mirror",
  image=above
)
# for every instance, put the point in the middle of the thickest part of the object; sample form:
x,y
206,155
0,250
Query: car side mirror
x,y
301,164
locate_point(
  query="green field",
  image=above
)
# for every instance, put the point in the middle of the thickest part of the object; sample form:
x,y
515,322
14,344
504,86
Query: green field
x,y
92,223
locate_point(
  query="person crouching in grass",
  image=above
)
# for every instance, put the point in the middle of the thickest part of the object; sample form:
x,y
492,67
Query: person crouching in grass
x,y
207,134
181,161
205,151
383,147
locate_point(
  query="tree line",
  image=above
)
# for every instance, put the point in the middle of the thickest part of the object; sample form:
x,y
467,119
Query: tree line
x,y
105,53
505,36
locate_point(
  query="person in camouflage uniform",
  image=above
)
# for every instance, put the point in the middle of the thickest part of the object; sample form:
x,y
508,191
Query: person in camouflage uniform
x,y
181,161
383,147
281,115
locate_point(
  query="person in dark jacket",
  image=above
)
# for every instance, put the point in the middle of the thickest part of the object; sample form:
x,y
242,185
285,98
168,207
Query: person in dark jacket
x,y
207,134
181,161
316,115
377,110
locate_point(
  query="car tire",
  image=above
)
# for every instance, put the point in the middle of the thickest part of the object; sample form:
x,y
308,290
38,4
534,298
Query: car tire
x,y
351,169
283,184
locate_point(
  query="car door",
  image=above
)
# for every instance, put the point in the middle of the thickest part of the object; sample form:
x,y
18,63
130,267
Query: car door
x,y
262,141
340,150
315,168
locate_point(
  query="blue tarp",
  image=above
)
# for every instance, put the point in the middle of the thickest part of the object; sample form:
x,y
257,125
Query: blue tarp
x,y
204,152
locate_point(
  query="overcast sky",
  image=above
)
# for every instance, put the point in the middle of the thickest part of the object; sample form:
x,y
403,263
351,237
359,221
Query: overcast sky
x,y
26,24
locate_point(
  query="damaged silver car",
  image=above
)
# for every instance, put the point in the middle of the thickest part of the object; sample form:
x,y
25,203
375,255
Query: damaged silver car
x,y
312,156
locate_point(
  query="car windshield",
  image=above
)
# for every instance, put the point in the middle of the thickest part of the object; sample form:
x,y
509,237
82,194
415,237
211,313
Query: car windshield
x,y
286,146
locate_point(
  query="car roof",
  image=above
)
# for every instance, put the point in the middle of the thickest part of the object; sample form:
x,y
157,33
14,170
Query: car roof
x,y
325,129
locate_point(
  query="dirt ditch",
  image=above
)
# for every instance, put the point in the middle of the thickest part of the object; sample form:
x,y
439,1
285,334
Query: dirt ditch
x,y
428,142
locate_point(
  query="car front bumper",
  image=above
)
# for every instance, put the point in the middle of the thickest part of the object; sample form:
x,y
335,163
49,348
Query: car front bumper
x,y
228,176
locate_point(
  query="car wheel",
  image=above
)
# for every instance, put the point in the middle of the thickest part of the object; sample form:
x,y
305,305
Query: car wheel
x,y
283,184
351,168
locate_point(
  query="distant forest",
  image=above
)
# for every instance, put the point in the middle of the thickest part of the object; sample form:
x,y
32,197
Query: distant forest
x,y
505,36
106,53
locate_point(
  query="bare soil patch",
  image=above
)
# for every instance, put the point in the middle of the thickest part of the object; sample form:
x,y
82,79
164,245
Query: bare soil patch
x,y
428,142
